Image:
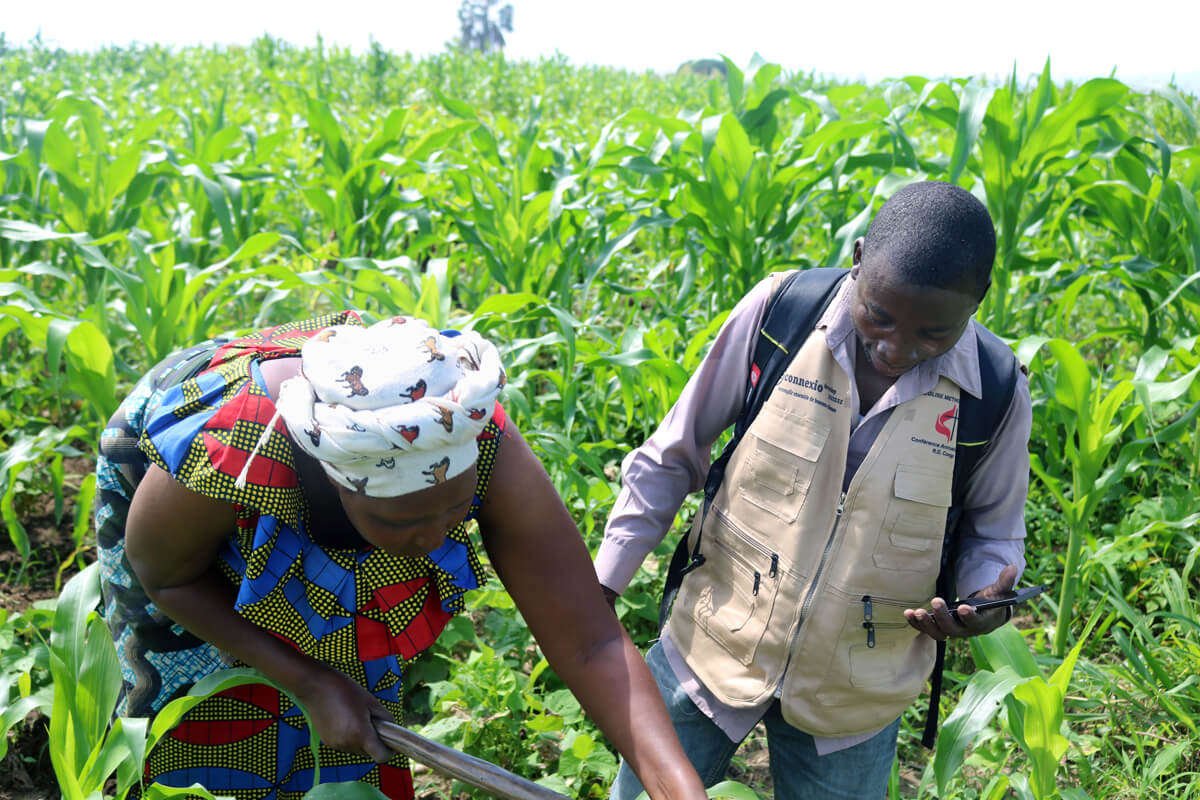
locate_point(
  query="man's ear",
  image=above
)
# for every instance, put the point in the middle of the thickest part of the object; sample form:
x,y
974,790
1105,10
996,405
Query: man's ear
x,y
856,259
986,286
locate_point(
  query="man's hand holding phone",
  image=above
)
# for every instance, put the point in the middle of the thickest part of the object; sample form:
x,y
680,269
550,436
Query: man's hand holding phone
x,y
981,613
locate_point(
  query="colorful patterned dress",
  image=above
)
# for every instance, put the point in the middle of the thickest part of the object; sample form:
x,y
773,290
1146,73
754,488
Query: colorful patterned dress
x,y
197,415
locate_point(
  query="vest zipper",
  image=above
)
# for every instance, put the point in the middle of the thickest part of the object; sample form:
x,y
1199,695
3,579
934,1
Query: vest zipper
x,y
887,601
869,613
763,551
812,587
867,623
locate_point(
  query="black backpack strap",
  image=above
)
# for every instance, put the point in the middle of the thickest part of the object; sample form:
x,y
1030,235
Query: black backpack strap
x,y
978,420
792,313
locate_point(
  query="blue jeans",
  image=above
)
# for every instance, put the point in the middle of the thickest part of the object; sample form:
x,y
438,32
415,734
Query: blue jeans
x,y
797,772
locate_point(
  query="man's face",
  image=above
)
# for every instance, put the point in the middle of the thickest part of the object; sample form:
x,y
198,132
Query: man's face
x,y
899,324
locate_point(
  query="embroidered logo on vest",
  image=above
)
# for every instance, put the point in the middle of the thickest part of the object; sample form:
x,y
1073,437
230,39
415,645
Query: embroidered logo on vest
x,y
946,422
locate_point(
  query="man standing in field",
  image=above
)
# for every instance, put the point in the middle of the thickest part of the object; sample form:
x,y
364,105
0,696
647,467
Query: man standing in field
x,y
803,604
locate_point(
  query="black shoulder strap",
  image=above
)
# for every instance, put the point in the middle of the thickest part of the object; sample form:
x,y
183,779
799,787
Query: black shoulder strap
x,y
978,420
792,313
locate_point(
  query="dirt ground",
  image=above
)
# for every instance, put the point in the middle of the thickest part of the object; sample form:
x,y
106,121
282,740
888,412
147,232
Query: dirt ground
x,y
25,770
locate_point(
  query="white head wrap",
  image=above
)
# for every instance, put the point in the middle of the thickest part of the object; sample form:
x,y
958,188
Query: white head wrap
x,y
393,408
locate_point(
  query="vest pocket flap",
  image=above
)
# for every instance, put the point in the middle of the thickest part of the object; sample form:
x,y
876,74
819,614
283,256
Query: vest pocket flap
x,y
800,436
923,485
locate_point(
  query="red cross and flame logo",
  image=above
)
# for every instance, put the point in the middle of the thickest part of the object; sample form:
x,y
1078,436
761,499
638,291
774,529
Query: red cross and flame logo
x,y
945,423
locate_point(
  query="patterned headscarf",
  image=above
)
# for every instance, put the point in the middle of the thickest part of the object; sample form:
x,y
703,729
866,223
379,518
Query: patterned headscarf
x,y
392,408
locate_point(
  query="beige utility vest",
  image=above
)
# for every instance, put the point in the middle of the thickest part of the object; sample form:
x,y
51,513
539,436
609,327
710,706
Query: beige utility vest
x,y
803,588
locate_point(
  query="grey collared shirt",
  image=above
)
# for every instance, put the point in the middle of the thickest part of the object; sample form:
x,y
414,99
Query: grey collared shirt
x,y
675,460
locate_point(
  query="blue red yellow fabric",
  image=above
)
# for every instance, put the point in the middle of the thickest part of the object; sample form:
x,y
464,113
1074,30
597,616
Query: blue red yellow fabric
x,y
198,415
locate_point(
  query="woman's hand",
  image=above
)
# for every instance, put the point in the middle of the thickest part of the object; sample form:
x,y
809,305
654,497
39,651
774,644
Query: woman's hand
x,y
940,624
178,572
344,714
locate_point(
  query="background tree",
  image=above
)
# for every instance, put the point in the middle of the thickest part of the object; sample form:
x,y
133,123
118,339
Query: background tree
x,y
478,31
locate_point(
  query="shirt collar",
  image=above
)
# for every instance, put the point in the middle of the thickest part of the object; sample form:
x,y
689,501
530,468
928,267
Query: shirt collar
x,y
959,364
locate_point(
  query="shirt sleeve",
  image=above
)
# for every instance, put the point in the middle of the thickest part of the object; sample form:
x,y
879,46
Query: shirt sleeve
x,y
675,459
992,531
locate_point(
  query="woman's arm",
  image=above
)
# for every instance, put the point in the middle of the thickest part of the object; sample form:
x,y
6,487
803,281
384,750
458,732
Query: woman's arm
x,y
539,555
172,538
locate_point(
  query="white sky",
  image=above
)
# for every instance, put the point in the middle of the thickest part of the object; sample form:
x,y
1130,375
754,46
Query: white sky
x,y
1146,41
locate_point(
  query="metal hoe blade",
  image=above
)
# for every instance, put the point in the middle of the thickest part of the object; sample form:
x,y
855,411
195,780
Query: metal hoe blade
x,y
468,769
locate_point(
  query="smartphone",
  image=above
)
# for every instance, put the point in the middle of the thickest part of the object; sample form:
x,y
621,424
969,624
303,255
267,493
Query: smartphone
x,y
1011,599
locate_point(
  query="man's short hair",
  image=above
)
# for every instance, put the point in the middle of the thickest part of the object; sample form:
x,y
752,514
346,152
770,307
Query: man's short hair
x,y
934,234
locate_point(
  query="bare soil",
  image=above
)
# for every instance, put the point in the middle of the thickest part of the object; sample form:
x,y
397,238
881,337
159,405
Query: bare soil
x,y
25,770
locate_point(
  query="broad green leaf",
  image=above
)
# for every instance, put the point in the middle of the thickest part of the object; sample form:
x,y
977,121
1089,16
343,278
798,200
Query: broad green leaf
x,y
59,152
734,82
1074,384
582,746
21,231
90,367
447,730
131,732
1004,647
15,713
79,598
322,120
1154,392
436,139
1056,131
64,754
733,143
456,107
979,704
1042,740
254,245
99,679
120,173
217,143
971,110
732,790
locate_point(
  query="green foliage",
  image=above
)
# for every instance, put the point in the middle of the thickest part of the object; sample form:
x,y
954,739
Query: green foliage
x,y
150,198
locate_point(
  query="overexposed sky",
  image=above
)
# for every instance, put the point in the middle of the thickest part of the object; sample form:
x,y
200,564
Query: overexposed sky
x,y
1146,42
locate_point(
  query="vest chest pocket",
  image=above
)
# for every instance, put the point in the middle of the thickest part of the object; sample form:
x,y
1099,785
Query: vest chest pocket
x,y
915,521
782,462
